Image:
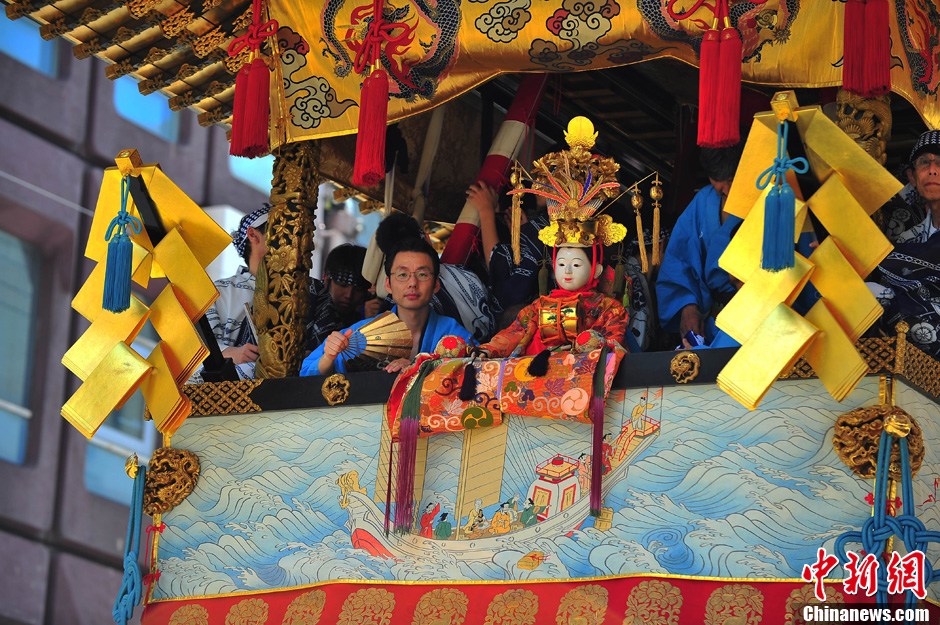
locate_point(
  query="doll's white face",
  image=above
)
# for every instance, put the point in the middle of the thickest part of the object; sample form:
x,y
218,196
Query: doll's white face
x,y
573,268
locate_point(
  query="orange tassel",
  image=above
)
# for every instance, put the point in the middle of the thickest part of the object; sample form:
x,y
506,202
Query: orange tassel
x,y
369,167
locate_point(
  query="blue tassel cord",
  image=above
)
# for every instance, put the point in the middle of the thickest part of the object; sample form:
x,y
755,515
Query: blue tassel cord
x,y
780,206
131,587
117,271
877,529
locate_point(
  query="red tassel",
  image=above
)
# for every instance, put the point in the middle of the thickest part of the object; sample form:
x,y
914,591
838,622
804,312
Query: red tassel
x,y
250,124
727,115
707,84
853,45
876,71
237,143
866,57
369,168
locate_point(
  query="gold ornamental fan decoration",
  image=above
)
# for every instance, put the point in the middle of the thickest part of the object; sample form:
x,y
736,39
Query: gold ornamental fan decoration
x,y
381,340
844,187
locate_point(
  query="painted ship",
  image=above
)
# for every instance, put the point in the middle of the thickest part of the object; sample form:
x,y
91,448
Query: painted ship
x,y
366,522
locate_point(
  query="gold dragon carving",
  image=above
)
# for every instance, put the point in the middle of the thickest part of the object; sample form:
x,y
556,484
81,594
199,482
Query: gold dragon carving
x,y
858,433
172,475
282,295
867,121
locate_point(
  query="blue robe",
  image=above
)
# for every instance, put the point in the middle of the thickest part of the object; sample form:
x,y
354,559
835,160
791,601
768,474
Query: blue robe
x,y
437,327
690,273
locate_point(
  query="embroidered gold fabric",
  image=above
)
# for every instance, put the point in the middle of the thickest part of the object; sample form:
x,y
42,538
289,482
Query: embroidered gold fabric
x,y
740,604
857,435
171,478
367,607
558,320
348,482
282,287
305,609
441,605
684,367
805,596
653,602
513,607
212,398
585,604
193,614
248,612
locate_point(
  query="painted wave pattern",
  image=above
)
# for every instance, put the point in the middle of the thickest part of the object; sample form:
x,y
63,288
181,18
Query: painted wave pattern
x,y
753,497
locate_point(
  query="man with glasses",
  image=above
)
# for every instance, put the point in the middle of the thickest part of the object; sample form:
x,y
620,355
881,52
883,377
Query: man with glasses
x,y
907,282
924,175
413,269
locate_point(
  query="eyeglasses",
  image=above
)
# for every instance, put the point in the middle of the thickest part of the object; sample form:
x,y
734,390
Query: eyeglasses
x,y
923,162
423,275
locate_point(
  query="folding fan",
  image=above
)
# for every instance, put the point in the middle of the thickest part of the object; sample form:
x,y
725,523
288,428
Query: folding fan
x,y
383,339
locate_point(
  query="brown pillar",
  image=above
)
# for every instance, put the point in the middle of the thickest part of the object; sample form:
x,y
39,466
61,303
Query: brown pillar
x,y
282,294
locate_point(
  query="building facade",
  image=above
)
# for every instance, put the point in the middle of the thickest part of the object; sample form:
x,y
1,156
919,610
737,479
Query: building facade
x,y
63,510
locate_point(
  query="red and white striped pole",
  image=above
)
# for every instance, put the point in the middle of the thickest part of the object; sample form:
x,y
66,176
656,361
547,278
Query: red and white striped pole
x,y
504,149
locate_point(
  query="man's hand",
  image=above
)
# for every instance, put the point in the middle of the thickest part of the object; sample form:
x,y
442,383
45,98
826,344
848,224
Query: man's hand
x,y
371,307
483,198
336,343
691,319
241,355
397,365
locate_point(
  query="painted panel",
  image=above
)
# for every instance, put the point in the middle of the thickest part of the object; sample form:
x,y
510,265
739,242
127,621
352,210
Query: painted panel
x,y
287,498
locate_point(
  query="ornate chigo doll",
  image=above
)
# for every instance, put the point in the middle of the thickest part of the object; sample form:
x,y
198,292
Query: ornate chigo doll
x,y
576,184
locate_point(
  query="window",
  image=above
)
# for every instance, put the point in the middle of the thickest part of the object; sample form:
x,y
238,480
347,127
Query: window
x,y
255,172
19,282
20,40
123,433
150,112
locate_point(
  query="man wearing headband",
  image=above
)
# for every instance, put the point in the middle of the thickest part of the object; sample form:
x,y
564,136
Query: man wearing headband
x,y
228,316
343,297
907,282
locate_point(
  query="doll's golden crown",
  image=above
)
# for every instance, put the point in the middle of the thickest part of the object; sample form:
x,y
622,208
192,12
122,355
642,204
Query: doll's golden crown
x,y
576,184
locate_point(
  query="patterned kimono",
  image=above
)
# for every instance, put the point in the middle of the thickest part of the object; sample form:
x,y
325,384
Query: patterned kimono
x,y
229,319
907,285
557,319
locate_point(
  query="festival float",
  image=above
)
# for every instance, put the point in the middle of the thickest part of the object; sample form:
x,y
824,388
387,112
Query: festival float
x,y
700,486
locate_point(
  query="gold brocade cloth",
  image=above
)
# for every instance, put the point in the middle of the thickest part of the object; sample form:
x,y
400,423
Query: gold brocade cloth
x,y
445,48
